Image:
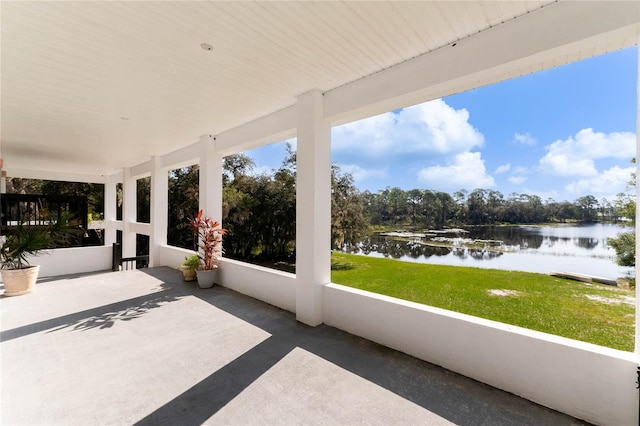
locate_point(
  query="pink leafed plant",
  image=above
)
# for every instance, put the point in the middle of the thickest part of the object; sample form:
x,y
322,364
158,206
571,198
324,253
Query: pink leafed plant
x,y
209,235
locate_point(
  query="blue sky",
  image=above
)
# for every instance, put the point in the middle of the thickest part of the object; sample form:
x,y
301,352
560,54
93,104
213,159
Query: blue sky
x,y
561,133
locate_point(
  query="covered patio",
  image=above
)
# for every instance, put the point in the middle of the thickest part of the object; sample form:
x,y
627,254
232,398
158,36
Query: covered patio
x,y
144,347
111,92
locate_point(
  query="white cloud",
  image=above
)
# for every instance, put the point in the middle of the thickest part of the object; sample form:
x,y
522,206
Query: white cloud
x,y
518,175
467,171
524,139
517,180
370,136
435,126
359,174
608,183
429,127
503,169
576,156
563,165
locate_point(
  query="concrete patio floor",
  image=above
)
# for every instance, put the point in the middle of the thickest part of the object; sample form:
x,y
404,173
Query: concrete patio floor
x,y
144,347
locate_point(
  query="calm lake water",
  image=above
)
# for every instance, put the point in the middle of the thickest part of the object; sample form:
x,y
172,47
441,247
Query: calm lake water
x,y
582,249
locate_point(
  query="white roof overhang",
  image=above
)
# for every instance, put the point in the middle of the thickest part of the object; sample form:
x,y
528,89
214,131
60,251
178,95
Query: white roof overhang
x,y
92,87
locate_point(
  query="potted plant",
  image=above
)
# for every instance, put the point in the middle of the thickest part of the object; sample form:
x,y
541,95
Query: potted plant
x,y
189,267
208,234
18,275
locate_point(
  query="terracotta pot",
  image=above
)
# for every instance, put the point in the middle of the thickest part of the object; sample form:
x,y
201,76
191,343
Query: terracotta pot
x,y
206,278
20,281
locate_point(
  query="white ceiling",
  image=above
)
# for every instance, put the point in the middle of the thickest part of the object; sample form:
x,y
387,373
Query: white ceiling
x,y
103,85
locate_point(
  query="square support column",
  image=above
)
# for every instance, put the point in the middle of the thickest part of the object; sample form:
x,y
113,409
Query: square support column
x,y
159,210
313,208
129,209
637,329
110,208
210,191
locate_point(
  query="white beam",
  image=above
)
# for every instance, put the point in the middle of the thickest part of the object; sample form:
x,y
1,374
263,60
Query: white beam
x,y
56,176
115,178
313,208
271,128
487,57
210,179
141,170
182,157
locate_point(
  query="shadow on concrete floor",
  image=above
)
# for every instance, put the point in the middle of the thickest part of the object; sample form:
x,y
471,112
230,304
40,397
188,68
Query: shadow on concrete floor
x,y
456,398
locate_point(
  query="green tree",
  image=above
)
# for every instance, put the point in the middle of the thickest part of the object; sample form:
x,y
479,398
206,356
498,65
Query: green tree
x,y
477,206
348,222
143,200
588,207
625,243
625,246
24,186
183,203
460,198
93,191
259,211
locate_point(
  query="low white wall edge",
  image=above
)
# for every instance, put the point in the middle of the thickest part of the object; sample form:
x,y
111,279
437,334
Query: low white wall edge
x,y
586,381
172,256
271,286
72,260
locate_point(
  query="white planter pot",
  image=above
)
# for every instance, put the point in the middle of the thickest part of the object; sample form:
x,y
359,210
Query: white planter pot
x,y
206,278
20,281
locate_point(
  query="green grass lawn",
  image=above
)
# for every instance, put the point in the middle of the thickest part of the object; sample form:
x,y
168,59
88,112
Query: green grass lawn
x,y
544,303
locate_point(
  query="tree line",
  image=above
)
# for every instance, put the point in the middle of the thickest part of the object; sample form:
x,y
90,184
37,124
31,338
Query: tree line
x,y
425,208
259,210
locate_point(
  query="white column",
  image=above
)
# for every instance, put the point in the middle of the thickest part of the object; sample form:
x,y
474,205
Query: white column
x,y
313,208
129,201
110,208
3,176
159,213
637,331
210,184
3,180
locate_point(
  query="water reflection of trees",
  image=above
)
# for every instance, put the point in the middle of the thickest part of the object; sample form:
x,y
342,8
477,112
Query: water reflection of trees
x,y
396,249
587,243
513,238
477,254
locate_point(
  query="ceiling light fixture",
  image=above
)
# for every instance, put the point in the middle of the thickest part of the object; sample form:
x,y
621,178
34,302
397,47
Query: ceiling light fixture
x,y
206,46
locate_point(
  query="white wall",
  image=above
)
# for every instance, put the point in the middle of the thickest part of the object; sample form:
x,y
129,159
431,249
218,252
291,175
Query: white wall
x,y
586,381
73,260
274,287
172,256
